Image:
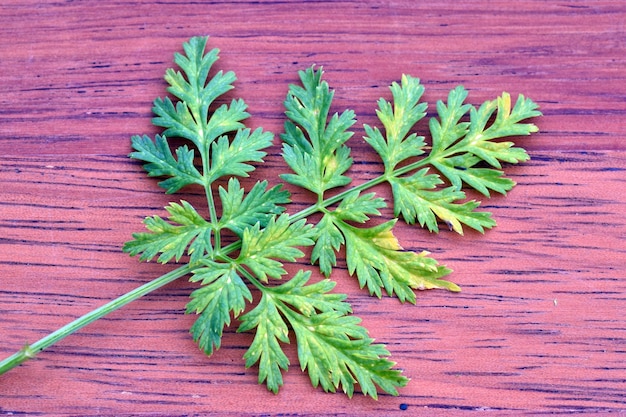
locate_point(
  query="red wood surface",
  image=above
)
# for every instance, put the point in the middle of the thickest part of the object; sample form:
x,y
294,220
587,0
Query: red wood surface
x,y
539,327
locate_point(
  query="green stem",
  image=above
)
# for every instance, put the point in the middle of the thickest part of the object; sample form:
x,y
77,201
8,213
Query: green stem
x,y
29,351
253,280
337,198
359,188
217,238
411,167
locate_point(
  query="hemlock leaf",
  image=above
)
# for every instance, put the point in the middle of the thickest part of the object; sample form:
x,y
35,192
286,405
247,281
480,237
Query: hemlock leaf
x,y
332,347
357,208
426,182
461,170
449,128
259,205
161,162
271,327
181,120
177,120
262,247
379,262
191,117
223,120
223,292
230,157
197,92
459,147
328,240
398,119
468,143
192,88
265,347
189,232
312,298
416,198
337,352
318,159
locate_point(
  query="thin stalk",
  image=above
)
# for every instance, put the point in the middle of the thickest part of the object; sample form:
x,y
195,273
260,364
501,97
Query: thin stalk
x,y
411,167
359,188
337,198
29,351
217,238
253,280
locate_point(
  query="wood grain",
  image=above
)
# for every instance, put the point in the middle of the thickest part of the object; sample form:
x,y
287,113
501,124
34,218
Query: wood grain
x,y
539,327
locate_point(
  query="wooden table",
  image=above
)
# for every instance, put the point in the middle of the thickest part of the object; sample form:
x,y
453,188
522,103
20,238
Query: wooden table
x,y
539,327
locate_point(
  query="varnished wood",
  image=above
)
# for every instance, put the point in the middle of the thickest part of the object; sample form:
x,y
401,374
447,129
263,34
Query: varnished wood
x,y
539,327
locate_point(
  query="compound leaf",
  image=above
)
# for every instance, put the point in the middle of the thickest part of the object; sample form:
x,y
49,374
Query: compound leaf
x,y
189,232
427,178
232,157
262,247
160,162
398,119
458,146
259,205
223,292
318,159
379,262
416,199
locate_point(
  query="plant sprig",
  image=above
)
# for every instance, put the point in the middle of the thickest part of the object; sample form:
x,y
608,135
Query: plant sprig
x,y
426,180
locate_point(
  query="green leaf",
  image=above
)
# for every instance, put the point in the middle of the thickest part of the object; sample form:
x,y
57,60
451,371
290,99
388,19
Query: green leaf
x,y
462,169
223,292
328,240
378,260
271,327
337,353
309,299
332,347
313,144
508,120
226,119
265,347
416,198
177,120
459,146
193,86
261,248
161,163
448,129
357,208
192,233
398,119
479,138
180,122
259,205
190,118
232,157
467,150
